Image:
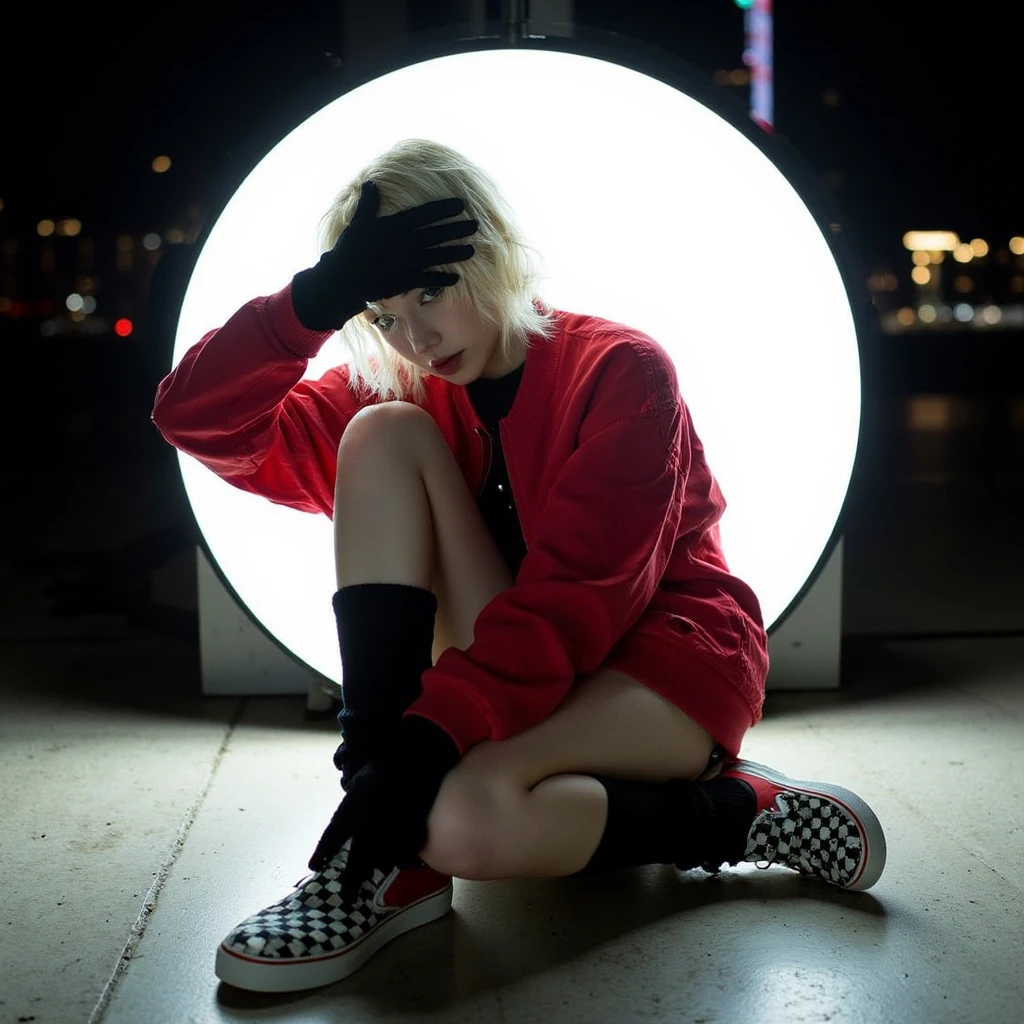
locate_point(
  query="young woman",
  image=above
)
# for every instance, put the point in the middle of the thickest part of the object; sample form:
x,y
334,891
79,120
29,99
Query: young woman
x,y
548,668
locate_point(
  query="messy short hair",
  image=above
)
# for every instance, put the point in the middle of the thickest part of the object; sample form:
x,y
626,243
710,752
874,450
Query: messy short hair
x,y
498,280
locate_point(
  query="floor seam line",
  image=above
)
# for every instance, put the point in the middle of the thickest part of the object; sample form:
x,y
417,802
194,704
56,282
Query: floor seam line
x,y
149,902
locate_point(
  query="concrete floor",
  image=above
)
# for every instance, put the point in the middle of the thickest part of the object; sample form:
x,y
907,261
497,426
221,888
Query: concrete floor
x,y
141,822
137,836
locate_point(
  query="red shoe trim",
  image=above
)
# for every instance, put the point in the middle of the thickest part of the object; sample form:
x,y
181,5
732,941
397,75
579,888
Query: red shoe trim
x,y
411,885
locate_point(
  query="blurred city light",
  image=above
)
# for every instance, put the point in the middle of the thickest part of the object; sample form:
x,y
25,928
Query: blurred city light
x,y
1016,243
175,236
964,312
45,228
937,256
123,327
883,281
161,164
88,304
921,275
931,240
992,315
70,227
927,314
920,258
151,242
906,316
929,412
979,247
73,302
963,253
125,243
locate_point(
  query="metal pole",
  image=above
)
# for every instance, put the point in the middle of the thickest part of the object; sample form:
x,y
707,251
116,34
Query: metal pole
x,y
516,16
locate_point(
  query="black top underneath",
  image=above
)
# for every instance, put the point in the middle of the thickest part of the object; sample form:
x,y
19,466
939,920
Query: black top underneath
x,y
492,400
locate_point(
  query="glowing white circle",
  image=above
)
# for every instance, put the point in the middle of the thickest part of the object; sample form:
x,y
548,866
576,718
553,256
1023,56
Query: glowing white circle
x,y
649,209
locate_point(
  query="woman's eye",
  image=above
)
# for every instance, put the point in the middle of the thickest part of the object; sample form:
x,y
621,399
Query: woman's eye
x,y
437,290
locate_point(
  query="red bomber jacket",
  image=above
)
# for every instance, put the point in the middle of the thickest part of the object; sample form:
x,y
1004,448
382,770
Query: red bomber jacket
x,y
618,508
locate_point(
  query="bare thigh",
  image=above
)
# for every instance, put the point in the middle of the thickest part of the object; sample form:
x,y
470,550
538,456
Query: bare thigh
x,y
608,724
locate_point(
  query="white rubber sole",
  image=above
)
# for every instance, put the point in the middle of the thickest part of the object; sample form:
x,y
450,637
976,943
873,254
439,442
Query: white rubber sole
x,y
266,975
873,862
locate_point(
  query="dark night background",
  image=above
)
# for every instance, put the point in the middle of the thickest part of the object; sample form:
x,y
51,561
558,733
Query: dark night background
x,y
923,132
908,114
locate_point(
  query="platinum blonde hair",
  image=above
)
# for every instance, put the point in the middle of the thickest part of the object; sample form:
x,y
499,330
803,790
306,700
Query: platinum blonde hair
x,y
498,280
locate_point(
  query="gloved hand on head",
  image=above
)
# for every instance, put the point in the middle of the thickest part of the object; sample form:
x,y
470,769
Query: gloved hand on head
x,y
377,257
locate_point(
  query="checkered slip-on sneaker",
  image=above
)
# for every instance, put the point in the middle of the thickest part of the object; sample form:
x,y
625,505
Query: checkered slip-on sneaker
x,y
311,938
815,828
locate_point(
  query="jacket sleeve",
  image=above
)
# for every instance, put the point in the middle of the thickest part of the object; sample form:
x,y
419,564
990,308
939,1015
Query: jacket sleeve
x,y
607,531
237,403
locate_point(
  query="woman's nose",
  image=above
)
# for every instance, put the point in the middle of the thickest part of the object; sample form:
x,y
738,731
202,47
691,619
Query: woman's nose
x,y
422,339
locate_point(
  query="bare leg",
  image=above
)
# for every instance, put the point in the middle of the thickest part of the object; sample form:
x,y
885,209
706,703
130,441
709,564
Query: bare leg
x,y
528,806
563,820
382,521
403,514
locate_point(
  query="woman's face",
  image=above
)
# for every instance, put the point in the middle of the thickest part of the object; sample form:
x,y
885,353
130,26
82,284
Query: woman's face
x,y
425,327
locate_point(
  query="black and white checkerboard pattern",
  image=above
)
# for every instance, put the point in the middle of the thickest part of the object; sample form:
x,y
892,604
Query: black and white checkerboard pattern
x,y
312,921
811,834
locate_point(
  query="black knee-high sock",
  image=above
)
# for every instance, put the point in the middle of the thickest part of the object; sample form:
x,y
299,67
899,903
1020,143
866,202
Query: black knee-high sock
x,y
386,636
689,824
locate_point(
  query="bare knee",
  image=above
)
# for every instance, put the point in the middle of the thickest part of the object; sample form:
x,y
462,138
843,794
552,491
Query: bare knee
x,y
397,426
463,829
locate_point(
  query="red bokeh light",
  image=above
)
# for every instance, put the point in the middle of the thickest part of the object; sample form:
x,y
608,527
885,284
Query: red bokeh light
x,y
123,327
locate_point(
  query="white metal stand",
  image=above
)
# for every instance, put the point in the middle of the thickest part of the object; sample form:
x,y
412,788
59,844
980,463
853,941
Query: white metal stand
x,y
805,649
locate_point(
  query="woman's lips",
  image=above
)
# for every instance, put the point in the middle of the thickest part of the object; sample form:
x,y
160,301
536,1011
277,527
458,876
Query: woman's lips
x,y
449,365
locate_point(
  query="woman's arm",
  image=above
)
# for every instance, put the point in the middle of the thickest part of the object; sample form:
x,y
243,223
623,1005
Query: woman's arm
x,y
237,403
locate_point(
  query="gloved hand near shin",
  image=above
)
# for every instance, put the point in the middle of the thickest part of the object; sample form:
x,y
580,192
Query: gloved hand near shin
x,y
386,808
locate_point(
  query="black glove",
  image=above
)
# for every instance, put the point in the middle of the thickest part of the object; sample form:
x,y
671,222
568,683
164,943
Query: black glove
x,y
386,808
377,257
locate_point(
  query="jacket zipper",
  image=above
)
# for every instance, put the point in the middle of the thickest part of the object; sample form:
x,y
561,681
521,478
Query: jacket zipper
x,y
489,452
489,448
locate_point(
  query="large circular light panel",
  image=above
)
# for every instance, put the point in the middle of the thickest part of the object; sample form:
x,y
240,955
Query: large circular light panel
x,y
649,209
